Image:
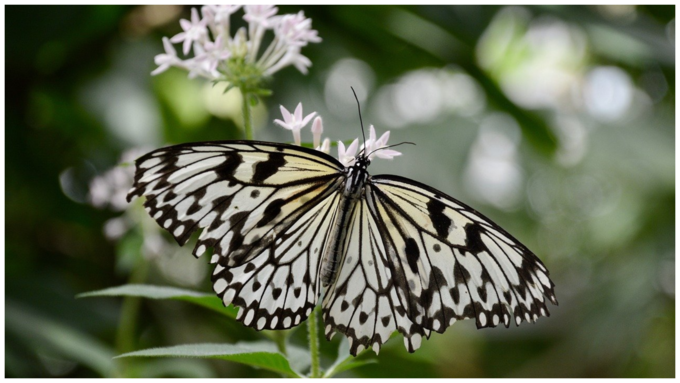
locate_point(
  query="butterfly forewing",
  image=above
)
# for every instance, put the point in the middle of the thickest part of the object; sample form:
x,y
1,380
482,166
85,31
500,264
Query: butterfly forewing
x,y
460,264
229,188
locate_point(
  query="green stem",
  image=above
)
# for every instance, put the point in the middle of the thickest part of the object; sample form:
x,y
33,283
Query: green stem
x,y
314,344
125,337
247,116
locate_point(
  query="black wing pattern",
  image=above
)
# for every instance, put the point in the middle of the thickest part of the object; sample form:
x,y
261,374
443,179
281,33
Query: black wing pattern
x,y
264,208
418,260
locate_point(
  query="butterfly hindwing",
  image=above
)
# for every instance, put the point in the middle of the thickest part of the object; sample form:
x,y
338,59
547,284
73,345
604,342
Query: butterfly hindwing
x,y
365,302
278,287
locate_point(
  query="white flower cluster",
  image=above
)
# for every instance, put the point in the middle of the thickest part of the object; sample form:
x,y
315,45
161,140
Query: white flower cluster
x,y
220,56
374,147
109,190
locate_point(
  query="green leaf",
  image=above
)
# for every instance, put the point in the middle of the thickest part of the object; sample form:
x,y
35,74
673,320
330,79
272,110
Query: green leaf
x,y
183,368
256,354
48,335
263,92
228,88
163,292
299,358
345,361
348,364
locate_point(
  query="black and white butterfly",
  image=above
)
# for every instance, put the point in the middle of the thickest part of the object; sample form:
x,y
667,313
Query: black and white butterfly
x,y
287,223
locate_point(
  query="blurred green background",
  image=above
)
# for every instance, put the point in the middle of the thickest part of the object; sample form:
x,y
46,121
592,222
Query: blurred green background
x,y
557,122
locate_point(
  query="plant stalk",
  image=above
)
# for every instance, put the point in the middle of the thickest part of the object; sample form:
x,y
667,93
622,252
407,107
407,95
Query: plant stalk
x,y
247,116
125,336
314,344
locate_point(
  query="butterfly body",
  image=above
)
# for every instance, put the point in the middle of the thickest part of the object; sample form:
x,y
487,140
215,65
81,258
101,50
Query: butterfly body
x,y
393,254
355,181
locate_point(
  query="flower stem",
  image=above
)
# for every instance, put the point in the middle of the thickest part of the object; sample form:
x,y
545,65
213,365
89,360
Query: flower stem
x,y
125,336
247,116
314,344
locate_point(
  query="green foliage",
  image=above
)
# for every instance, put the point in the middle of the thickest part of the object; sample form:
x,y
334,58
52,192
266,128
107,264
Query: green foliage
x,y
57,339
164,292
345,361
290,360
595,198
256,354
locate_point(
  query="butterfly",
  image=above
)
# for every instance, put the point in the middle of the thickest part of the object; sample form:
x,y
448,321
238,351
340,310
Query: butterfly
x,y
289,225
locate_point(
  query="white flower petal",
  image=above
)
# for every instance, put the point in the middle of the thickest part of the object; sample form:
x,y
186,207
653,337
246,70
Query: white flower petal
x,y
298,112
372,133
341,150
387,153
305,121
185,24
325,146
162,68
317,129
286,114
283,124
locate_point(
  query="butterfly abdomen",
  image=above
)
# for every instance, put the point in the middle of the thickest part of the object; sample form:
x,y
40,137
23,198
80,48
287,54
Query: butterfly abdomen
x,y
354,188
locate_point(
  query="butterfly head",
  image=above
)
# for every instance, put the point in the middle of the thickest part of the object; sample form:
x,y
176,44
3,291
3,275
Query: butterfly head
x,y
357,175
361,161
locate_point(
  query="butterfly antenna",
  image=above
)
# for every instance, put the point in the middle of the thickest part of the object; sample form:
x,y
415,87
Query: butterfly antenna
x,y
391,146
360,119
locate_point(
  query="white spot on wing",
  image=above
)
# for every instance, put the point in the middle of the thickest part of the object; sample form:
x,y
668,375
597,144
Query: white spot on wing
x,y
249,317
151,162
220,285
200,251
178,231
415,340
228,297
